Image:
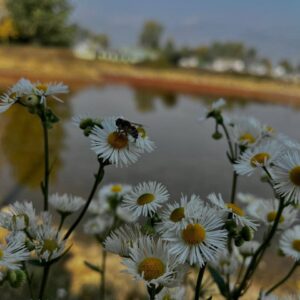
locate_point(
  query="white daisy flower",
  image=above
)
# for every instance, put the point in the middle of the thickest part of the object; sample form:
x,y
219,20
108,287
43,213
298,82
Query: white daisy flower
x,y
13,254
120,240
290,243
288,142
263,155
66,204
174,216
19,216
49,243
238,214
25,87
266,212
98,225
246,131
176,293
112,145
287,175
151,262
145,198
201,240
215,106
114,189
248,248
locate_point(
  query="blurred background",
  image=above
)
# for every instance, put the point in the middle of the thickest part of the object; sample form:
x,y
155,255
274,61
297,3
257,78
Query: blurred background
x,y
157,63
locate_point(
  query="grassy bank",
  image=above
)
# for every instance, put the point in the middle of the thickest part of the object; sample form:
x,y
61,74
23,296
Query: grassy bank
x,y
60,64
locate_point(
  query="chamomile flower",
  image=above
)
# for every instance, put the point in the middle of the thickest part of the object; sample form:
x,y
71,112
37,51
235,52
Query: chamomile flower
x,y
215,107
145,198
287,175
290,242
98,225
266,212
201,240
176,293
248,248
246,131
151,262
13,254
174,216
238,214
66,204
25,87
49,243
114,190
112,145
19,216
262,155
120,240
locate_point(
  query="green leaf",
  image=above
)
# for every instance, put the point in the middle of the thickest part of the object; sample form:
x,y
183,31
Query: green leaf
x,y
218,279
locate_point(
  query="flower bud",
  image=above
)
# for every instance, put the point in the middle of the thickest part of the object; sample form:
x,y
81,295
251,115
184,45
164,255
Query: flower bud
x,y
238,241
16,278
246,233
30,100
217,135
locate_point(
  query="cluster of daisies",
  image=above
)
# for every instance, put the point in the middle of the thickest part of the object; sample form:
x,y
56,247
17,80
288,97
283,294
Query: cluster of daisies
x,y
256,149
33,237
167,237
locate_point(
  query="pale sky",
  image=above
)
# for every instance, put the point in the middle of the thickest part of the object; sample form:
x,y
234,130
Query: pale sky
x,y
272,26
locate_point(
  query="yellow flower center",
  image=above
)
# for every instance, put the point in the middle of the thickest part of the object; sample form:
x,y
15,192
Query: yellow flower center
x,y
271,216
1,253
49,245
296,245
235,209
193,234
20,218
117,140
248,138
295,175
42,87
145,199
13,95
151,268
270,129
259,159
142,132
116,188
177,214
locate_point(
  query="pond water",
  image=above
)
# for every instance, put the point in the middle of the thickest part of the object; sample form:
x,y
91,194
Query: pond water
x,y
187,160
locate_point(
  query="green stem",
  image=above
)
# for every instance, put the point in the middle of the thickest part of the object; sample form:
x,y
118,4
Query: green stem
x,y
151,291
199,281
233,187
258,255
29,282
102,290
45,185
44,281
284,279
98,178
61,223
228,140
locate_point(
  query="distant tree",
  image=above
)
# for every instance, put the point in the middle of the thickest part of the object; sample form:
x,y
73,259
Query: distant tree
x,y
267,63
151,35
102,40
170,53
8,31
286,65
43,22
